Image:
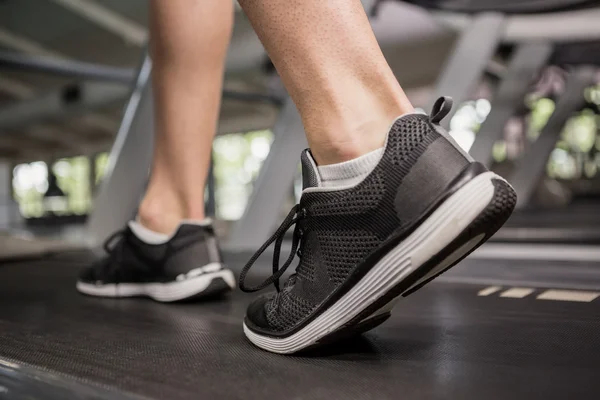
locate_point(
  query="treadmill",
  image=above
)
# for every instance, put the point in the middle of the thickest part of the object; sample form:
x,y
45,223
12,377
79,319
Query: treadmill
x,y
454,339
517,319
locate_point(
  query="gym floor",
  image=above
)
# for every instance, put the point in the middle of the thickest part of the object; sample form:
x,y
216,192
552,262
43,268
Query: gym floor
x,y
450,340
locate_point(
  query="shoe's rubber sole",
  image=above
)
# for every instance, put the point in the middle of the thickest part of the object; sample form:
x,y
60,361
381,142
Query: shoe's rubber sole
x,y
458,226
205,285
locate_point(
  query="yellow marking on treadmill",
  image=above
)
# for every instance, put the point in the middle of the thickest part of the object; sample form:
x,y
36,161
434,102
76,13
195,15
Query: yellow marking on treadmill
x,y
516,293
569,295
488,290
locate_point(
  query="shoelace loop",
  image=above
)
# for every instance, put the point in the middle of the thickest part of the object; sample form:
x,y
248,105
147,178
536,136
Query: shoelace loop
x,y
296,214
110,244
113,246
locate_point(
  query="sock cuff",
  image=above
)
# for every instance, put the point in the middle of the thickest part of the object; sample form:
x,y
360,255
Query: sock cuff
x,y
146,235
349,173
149,236
352,169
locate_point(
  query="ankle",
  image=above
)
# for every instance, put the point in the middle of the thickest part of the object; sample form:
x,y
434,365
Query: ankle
x,y
356,143
343,140
164,214
345,129
158,218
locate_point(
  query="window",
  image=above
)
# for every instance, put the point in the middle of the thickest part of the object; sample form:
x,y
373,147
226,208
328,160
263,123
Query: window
x,y
237,160
31,182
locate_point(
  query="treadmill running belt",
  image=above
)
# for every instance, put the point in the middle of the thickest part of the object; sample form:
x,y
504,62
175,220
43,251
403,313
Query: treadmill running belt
x,y
444,342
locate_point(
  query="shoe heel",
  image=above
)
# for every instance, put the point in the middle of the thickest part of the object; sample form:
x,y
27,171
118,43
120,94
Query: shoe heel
x,y
484,226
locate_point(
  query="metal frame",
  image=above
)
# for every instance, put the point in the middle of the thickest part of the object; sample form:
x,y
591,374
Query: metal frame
x,y
69,101
555,27
272,187
210,204
65,67
531,166
119,192
107,19
8,206
469,59
90,71
528,59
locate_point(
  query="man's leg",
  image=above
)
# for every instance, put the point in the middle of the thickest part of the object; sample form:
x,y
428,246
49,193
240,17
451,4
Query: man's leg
x,y
389,200
188,43
334,70
170,252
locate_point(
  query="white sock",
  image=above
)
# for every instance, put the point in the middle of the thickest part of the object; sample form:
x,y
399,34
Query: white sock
x,y
146,235
149,236
349,173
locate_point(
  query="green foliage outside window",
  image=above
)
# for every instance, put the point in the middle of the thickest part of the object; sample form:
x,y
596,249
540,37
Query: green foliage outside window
x,y
577,154
237,160
73,175
30,182
101,164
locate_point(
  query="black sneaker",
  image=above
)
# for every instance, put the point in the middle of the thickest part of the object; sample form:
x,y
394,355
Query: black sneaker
x,y
187,266
423,208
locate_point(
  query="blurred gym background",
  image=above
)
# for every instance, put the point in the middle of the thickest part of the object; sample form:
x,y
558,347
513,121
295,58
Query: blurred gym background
x,y
513,320
65,73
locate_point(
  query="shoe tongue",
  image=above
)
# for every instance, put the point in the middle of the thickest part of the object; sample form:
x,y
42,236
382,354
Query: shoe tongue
x,y
310,173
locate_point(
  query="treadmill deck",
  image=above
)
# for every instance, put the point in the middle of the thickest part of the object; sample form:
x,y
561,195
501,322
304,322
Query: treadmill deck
x,y
443,342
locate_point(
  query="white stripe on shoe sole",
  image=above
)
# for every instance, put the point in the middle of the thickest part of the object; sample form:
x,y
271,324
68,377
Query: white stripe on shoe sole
x,y
164,292
452,258
438,231
448,261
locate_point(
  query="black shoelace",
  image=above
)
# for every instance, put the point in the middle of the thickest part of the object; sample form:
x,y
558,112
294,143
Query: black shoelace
x,y
113,246
296,214
110,245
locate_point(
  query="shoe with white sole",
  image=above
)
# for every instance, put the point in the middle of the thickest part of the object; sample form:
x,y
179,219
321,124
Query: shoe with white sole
x,y
187,265
422,209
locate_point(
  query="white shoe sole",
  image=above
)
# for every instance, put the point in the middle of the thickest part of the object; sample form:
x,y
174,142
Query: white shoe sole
x,y
163,292
448,261
438,231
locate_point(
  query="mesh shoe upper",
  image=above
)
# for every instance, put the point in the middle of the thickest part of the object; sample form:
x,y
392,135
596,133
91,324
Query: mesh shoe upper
x,y
131,260
342,228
